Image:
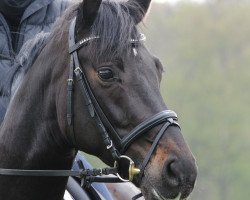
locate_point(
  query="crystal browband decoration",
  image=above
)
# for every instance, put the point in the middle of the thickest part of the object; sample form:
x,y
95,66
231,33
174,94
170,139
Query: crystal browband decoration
x,y
141,38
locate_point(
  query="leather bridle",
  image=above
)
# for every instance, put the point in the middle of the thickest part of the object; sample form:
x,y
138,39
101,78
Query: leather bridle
x,y
166,117
120,145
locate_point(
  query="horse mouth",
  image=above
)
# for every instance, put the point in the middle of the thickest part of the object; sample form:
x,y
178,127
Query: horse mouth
x,y
155,194
158,196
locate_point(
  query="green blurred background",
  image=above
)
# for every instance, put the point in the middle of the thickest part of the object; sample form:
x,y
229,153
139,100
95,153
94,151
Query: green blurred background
x,y
205,49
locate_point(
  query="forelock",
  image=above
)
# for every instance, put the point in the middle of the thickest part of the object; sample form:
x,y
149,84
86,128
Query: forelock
x,y
116,27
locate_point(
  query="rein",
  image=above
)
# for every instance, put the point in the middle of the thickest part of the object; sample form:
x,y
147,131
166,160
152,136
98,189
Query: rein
x,y
117,148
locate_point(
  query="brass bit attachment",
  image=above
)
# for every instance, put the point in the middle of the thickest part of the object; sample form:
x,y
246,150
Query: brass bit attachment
x,y
133,171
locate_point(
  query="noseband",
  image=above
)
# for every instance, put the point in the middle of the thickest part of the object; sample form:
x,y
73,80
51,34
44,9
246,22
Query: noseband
x,y
107,131
120,145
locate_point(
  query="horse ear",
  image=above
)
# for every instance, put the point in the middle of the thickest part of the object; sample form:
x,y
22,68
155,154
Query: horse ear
x,y
138,9
87,12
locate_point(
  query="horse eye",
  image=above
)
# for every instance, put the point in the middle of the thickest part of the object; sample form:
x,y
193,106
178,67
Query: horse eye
x,y
105,74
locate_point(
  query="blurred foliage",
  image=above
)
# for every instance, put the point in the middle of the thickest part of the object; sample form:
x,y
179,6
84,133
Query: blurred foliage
x,y
206,51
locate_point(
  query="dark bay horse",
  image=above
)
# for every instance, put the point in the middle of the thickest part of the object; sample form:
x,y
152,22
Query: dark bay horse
x,y
102,98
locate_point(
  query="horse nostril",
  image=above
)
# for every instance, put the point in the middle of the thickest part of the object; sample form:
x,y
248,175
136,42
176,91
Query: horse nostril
x,y
179,172
171,174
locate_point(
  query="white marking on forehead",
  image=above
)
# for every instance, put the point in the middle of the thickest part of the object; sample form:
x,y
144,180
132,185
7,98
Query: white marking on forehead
x,y
135,51
141,38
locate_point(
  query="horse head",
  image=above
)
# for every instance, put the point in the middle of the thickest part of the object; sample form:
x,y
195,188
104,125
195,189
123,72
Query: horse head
x,y
122,80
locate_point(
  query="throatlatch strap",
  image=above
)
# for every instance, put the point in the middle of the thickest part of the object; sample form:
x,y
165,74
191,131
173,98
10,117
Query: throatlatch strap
x,y
70,88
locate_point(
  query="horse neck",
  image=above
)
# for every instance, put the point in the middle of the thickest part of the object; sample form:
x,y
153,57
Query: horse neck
x,y
30,136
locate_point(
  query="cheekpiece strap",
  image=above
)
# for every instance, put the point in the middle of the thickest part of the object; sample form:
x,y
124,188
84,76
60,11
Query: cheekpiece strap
x,y
89,98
